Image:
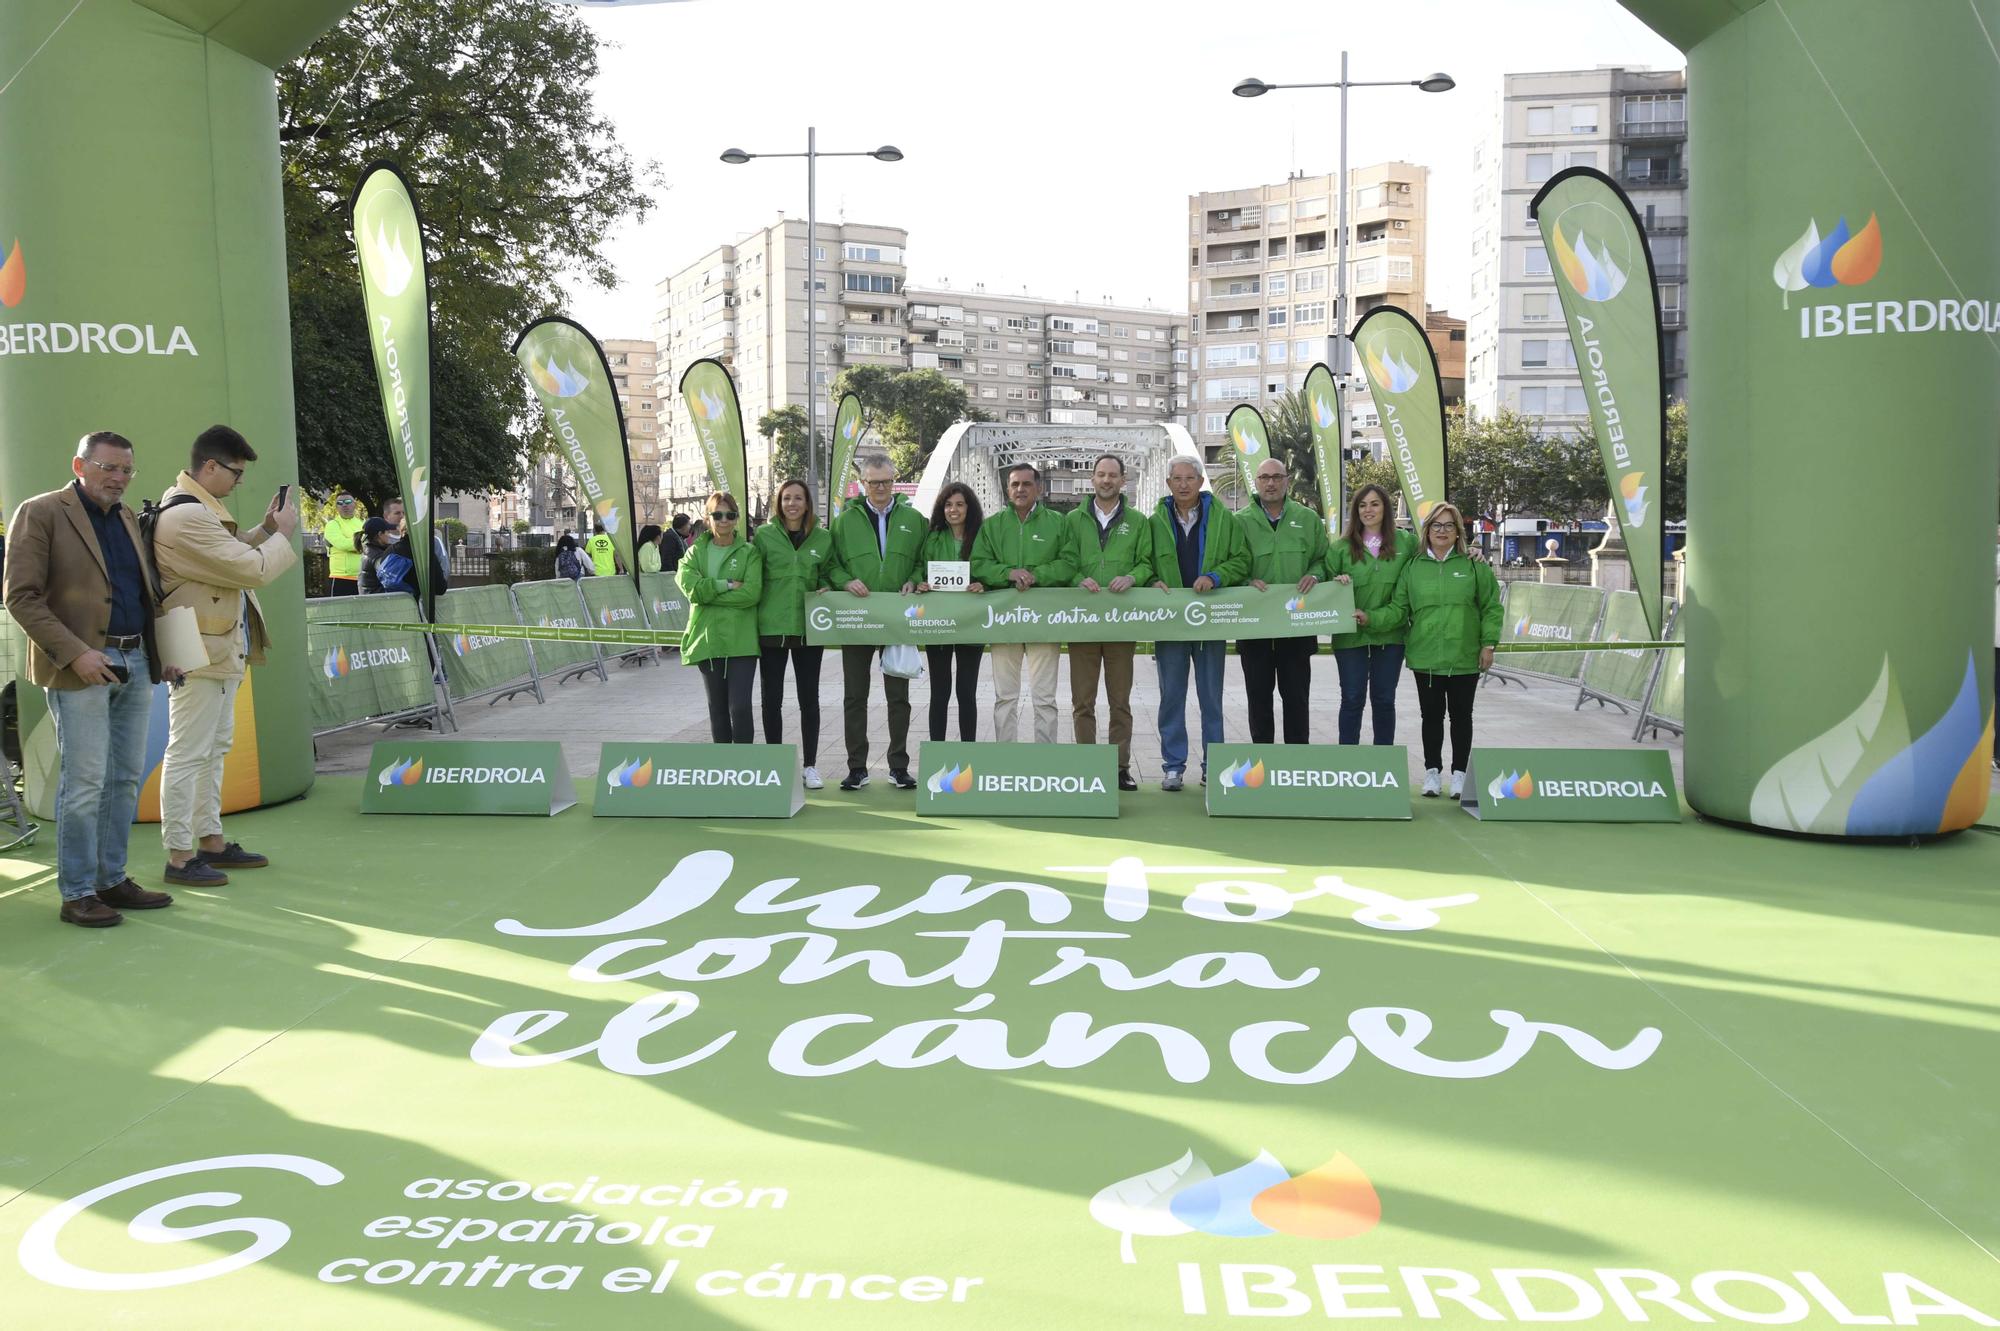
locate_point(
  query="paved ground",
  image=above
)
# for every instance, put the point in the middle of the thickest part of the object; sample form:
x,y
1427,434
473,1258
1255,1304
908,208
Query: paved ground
x,y
666,703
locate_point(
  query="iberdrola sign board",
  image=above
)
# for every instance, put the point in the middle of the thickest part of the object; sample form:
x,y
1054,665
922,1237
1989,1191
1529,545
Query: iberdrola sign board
x,y
467,776
698,781
961,780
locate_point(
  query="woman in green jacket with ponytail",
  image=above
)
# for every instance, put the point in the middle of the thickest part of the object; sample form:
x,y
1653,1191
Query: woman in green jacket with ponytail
x,y
795,550
1370,556
1451,603
723,578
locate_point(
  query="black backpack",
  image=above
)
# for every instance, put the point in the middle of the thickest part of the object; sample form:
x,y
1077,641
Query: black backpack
x,y
149,525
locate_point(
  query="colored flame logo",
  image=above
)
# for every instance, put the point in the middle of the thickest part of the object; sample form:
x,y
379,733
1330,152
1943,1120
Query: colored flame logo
x,y
1513,786
1245,775
607,512
1296,604
459,645
1632,489
13,278
558,380
707,405
1522,625
336,664
418,509
1246,443
848,427
950,780
403,772
1323,412
604,616
1589,271
1835,259
633,775
392,268
1334,1201
1394,373
913,612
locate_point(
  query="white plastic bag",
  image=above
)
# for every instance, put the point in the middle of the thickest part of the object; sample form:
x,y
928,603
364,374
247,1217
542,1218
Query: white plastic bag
x,y
903,660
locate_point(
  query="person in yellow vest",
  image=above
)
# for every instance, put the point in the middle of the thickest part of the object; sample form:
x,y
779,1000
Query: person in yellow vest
x,y
342,533
603,554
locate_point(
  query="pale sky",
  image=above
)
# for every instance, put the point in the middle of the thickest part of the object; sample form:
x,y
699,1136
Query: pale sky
x,y
1052,144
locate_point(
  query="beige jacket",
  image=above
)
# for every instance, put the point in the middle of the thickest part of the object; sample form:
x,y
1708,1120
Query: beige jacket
x,y
207,564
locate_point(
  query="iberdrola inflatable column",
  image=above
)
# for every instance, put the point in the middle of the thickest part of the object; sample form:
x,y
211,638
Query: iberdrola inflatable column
x,y
142,290
1844,408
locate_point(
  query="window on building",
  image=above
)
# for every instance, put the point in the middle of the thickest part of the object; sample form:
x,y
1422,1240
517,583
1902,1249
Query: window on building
x,y
1312,312
870,253
1014,348
1582,157
1534,353
1119,353
1034,395
1535,307
884,283
1535,261
1016,324
989,391
1312,208
1275,318
1014,370
1656,109
1541,120
1277,212
1670,302
1535,401
1583,118
1212,423
989,344
1276,284
1116,331
1540,167
1367,272
1574,401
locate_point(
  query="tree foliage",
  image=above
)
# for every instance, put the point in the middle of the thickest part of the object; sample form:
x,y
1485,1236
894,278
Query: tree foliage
x,y
787,432
1505,465
909,409
484,104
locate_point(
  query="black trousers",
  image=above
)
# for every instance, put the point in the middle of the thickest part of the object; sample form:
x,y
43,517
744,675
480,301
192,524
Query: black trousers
x,y
1436,695
1286,663
941,660
857,668
343,587
805,663
728,680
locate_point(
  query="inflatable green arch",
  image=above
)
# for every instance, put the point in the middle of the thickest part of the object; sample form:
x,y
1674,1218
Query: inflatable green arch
x,y
1845,255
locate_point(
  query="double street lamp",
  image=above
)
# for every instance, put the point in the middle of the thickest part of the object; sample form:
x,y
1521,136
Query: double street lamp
x,y
812,154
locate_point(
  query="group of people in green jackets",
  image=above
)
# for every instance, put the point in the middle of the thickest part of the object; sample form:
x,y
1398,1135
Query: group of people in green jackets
x,y
1421,599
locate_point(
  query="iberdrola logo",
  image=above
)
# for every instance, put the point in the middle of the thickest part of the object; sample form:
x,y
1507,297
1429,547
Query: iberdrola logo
x,y
1522,625
1835,259
1393,372
1245,775
913,612
1246,443
13,278
336,664
390,267
709,406
1632,489
402,772
418,510
1323,415
1587,264
1335,1201
848,427
460,645
1513,786
608,514
633,775
557,380
950,780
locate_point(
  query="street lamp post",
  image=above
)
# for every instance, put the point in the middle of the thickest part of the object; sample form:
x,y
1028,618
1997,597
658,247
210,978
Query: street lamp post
x,y
812,154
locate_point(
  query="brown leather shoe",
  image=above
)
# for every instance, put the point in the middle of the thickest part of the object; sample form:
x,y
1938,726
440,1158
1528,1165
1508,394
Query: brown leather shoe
x,y
90,913
128,895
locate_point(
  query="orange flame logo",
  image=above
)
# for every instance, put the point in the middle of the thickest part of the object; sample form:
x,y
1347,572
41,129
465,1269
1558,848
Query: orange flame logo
x,y
13,278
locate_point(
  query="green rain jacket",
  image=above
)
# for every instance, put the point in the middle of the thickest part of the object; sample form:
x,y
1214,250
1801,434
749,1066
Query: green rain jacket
x,y
790,576
1225,553
1281,555
1125,548
859,557
1039,545
1374,580
943,547
1452,608
720,622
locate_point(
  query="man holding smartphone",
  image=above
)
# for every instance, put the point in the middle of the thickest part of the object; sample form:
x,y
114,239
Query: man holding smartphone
x,y
80,587
207,564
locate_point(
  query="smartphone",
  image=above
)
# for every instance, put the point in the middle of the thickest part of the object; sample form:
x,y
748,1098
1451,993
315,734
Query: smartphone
x,y
284,495
124,675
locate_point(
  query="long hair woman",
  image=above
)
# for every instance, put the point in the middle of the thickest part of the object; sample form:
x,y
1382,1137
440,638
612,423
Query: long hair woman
x,y
1451,605
649,548
1370,556
723,579
955,520
795,548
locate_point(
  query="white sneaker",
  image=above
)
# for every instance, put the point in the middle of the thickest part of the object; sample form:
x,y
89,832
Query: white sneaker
x,y
1457,784
1431,777
812,778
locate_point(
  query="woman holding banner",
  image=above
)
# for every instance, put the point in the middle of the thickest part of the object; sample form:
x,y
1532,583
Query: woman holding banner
x,y
1451,604
795,550
1370,556
723,579
955,520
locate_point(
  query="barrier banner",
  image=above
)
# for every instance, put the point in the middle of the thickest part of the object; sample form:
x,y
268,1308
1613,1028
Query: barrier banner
x,y
990,780
1403,377
1594,241
710,397
467,776
1621,672
1669,700
613,603
1309,781
1328,415
1251,439
476,663
846,441
1571,786
1064,614
666,604
698,781
359,672
1553,613
554,603
395,286
567,369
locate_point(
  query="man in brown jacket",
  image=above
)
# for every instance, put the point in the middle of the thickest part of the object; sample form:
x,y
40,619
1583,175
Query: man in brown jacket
x,y
208,565
79,585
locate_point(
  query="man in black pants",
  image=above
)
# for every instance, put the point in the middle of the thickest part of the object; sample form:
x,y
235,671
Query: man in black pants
x,y
1287,547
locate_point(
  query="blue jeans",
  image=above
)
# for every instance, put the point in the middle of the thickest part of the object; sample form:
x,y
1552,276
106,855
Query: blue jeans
x,y
101,740
1368,675
1172,660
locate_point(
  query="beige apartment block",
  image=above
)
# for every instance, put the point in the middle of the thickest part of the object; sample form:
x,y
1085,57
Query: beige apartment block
x,y
1261,284
633,371
1630,123
1030,359
745,305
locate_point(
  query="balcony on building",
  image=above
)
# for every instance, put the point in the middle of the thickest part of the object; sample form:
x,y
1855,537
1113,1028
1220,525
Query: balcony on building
x,y
1235,221
1250,320
1661,123
1640,171
1310,242
1232,258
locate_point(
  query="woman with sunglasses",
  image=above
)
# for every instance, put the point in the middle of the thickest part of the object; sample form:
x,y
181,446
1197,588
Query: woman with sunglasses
x,y
795,550
723,579
1450,603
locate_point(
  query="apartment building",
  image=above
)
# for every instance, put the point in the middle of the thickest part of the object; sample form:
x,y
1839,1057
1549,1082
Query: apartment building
x,y
632,374
1630,123
745,305
1261,284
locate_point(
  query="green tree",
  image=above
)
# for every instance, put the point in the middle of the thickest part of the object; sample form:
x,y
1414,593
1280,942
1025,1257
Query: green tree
x,y
909,410
1674,488
485,106
787,432
1289,426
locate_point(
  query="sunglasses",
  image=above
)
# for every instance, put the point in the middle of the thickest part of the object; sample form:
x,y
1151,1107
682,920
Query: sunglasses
x,y
722,515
